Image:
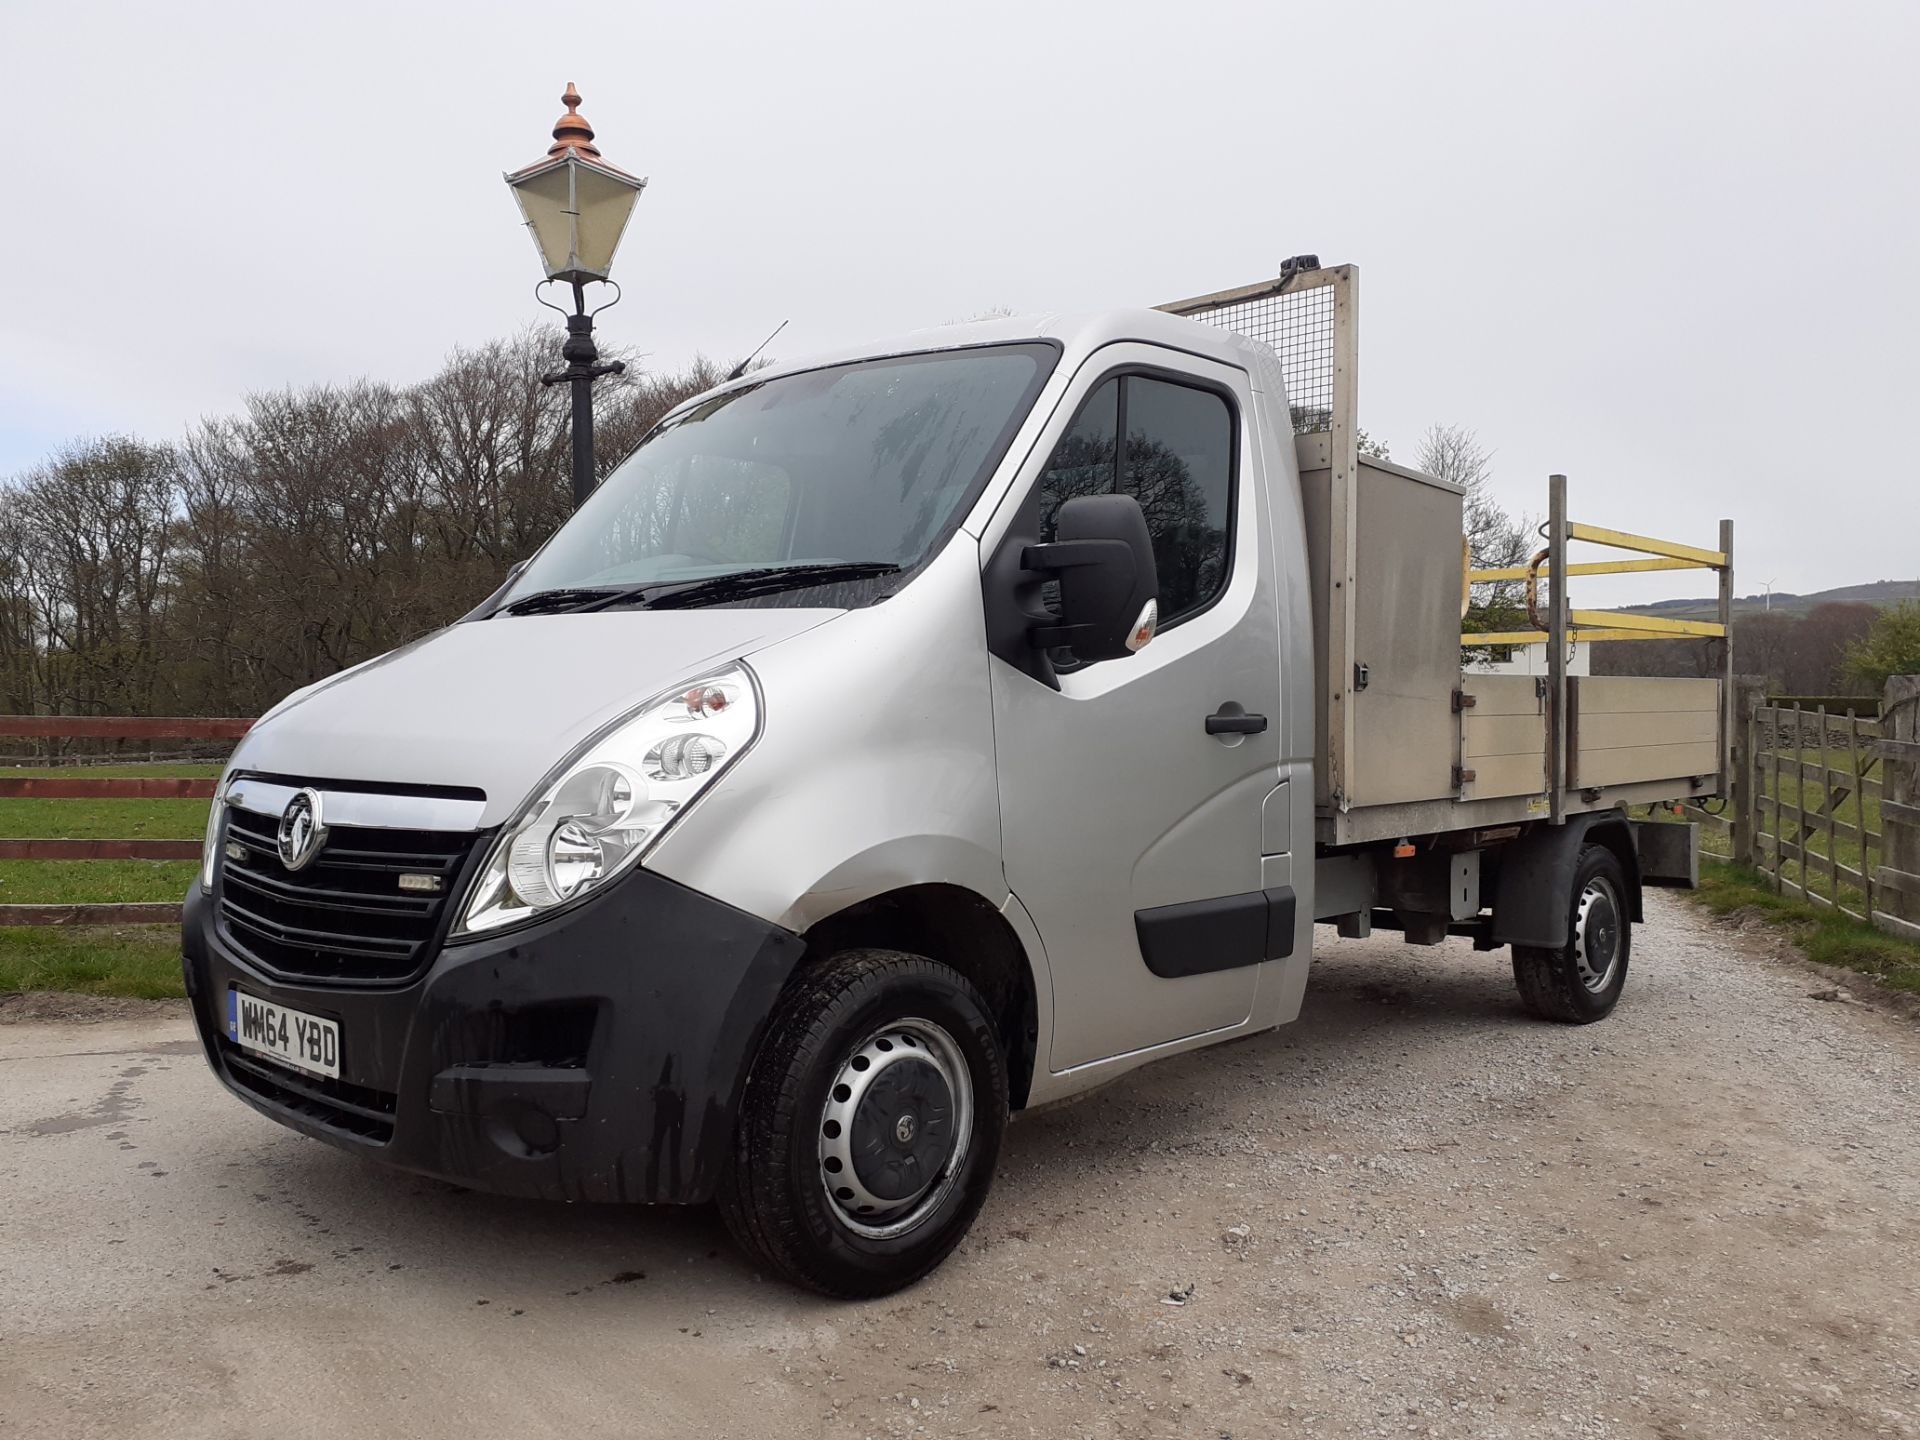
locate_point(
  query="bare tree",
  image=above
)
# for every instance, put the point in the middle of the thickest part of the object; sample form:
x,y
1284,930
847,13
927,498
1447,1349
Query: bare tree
x,y
1817,649
1495,539
1798,654
96,541
322,526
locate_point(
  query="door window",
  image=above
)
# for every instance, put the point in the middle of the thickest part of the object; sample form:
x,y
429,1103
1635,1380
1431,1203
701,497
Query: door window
x,y
1177,461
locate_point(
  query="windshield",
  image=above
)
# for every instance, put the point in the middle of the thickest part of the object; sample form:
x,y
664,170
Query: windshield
x,y
871,463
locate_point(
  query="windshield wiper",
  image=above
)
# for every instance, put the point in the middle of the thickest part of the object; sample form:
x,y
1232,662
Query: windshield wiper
x,y
740,584
547,601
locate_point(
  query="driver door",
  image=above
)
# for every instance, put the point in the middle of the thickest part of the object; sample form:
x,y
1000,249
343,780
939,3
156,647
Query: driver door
x,y
1130,833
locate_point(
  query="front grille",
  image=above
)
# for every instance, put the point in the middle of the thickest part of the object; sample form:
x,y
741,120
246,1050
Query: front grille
x,y
344,918
356,1109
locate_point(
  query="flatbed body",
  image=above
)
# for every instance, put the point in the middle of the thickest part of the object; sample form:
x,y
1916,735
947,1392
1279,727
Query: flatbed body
x,y
1411,735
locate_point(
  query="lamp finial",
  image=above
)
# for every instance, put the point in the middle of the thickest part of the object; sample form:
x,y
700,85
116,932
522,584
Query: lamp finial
x,y
571,131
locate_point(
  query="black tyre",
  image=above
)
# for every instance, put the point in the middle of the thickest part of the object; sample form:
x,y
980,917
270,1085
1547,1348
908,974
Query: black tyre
x,y
870,1126
1581,981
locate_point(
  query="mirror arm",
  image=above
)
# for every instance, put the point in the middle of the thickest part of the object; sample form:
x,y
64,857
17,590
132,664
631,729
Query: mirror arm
x,y
1052,637
1066,554
1057,555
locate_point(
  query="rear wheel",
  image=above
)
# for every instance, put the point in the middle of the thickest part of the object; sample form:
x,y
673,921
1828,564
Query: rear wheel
x,y
870,1125
1581,981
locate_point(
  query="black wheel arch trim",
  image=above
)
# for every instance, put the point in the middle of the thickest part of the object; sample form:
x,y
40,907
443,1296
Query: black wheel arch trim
x,y
960,928
1533,899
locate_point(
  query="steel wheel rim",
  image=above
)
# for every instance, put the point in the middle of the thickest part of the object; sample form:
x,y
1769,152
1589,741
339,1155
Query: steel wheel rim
x,y
898,1043
1598,934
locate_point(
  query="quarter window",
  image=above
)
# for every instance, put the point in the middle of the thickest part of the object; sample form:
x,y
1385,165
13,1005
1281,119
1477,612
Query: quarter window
x,y
1177,461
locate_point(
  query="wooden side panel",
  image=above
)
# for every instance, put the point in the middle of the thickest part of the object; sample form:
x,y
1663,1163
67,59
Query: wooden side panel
x,y
1633,764
1503,736
1502,695
1636,729
1629,694
1628,730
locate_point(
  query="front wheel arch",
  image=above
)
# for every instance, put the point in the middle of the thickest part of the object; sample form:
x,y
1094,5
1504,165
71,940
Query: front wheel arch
x,y
962,930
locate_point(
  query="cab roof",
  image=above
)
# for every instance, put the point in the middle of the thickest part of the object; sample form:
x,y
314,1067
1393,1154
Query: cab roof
x,y
1078,334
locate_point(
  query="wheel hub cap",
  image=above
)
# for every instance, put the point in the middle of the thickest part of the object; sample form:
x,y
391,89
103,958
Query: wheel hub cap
x,y
1596,936
895,1154
894,1129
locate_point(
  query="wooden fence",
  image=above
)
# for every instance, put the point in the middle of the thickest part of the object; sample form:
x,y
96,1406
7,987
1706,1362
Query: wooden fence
x,y
95,787
1826,804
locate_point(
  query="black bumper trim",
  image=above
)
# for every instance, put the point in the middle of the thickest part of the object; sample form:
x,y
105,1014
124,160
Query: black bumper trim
x,y
597,1056
316,1099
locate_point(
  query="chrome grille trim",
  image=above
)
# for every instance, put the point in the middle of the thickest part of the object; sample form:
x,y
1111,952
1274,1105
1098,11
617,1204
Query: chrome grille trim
x,y
361,809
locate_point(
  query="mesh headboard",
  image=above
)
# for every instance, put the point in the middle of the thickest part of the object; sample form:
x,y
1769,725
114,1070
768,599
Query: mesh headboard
x,y
1295,317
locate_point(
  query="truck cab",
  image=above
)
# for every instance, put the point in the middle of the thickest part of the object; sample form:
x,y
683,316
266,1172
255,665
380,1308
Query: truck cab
x,y
896,740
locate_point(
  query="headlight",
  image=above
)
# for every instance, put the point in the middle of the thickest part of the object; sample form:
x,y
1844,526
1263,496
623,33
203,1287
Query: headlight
x,y
210,851
609,803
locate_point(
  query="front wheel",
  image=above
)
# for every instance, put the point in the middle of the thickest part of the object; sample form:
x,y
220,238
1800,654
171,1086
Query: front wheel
x,y
1581,981
870,1125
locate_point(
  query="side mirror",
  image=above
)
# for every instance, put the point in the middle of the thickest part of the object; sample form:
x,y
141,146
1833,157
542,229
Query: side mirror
x,y
1109,588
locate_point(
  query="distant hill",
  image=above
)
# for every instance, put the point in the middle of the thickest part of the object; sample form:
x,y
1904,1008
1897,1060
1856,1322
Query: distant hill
x,y
1878,592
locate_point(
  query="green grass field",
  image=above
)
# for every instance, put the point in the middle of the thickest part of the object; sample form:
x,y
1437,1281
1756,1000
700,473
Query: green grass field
x,y
134,960
144,960
1823,936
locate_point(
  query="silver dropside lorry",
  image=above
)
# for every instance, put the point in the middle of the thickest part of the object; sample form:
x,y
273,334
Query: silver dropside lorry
x,y
905,737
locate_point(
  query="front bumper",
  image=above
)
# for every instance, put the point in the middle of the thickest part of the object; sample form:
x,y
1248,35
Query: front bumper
x,y
599,1055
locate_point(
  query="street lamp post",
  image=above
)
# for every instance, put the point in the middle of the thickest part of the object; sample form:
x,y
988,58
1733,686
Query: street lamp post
x,y
576,207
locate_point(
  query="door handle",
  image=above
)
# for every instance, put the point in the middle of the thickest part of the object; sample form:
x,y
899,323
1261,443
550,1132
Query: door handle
x,y
1235,721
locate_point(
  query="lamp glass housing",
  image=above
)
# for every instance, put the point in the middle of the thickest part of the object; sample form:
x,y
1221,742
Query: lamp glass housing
x,y
576,211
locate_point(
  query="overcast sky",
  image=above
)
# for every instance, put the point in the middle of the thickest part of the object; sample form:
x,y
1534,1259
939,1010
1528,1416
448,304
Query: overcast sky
x,y
1669,249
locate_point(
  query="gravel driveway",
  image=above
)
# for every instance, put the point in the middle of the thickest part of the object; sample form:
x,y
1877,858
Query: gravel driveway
x,y
1414,1212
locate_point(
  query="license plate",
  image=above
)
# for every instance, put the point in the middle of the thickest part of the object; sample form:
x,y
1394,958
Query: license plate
x,y
292,1037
